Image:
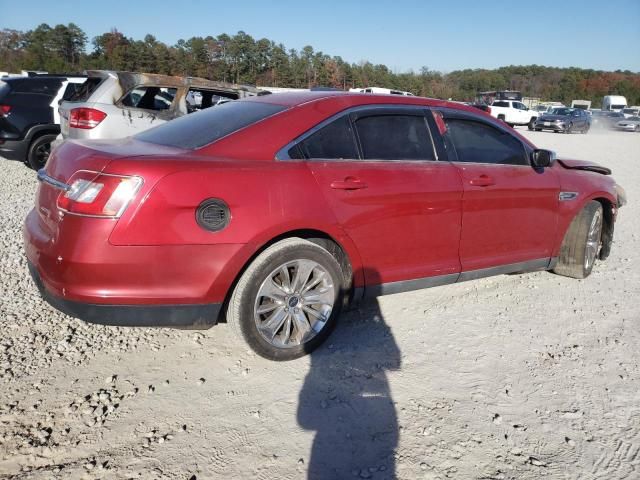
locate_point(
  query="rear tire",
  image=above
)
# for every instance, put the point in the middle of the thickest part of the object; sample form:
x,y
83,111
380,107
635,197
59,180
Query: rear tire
x,y
279,315
581,244
39,151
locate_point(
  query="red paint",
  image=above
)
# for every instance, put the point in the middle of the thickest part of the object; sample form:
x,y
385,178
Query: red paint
x,y
401,220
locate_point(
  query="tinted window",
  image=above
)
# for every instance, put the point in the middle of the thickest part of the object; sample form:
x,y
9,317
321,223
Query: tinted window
x,y
480,143
71,90
394,137
334,141
83,93
150,98
207,126
500,104
47,86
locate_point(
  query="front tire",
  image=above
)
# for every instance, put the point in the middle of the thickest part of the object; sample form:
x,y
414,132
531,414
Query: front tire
x,y
287,301
39,151
581,244
532,123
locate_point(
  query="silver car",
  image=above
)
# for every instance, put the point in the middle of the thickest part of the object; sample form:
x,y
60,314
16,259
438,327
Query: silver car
x,y
631,124
120,104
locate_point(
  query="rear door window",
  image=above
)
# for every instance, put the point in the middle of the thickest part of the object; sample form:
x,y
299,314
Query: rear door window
x,y
333,141
500,104
477,142
150,98
394,137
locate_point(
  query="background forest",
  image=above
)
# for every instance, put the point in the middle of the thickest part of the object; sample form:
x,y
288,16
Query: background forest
x,y
240,58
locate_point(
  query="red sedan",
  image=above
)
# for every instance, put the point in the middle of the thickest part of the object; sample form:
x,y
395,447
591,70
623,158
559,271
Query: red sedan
x,y
276,211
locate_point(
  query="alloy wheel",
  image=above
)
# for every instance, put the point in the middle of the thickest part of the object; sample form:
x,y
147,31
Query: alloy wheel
x,y
294,303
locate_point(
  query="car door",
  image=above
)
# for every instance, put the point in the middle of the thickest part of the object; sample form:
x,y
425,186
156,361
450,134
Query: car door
x,y
377,169
509,208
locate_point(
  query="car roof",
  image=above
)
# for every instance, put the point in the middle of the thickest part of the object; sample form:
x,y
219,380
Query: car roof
x,y
293,99
132,79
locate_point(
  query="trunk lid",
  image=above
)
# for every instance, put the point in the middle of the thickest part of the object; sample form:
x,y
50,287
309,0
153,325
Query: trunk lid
x,y
93,155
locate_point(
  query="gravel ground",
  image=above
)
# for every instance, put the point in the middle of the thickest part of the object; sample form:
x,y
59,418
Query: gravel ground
x,y
511,377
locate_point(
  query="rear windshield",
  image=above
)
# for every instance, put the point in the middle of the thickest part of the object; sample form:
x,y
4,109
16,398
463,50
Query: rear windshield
x,y
46,86
84,91
4,89
202,128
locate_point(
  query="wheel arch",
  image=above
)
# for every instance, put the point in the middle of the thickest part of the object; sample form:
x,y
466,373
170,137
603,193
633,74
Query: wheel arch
x,y
608,203
39,130
609,214
339,245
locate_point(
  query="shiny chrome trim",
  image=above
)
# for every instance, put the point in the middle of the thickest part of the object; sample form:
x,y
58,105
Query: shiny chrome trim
x,y
566,196
43,177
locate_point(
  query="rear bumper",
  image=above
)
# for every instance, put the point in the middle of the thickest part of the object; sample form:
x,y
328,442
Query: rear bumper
x,y
14,149
198,316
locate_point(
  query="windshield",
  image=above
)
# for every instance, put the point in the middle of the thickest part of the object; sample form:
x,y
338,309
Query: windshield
x,y
198,129
561,111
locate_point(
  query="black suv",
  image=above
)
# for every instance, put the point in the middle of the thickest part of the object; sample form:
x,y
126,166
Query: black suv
x,y
28,121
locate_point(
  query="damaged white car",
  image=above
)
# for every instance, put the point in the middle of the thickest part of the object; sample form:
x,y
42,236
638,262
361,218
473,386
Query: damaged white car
x,y
120,104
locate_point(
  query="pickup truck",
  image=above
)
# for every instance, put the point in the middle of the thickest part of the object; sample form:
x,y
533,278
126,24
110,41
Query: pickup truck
x,y
513,113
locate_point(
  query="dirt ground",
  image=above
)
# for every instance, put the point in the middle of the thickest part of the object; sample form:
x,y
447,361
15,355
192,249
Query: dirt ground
x,y
511,377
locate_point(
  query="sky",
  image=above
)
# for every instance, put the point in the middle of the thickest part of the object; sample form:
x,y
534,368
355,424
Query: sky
x,y
443,35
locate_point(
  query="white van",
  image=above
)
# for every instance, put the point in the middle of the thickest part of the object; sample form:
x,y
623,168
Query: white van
x,y
613,103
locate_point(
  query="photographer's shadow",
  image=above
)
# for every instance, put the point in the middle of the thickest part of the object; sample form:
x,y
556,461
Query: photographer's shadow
x,y
346,399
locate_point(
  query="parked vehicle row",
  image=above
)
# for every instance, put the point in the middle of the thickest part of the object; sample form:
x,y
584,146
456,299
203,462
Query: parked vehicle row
x,y
36,110
273,212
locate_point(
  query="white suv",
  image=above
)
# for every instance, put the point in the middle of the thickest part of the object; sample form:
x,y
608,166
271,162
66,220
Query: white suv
x,y
120,104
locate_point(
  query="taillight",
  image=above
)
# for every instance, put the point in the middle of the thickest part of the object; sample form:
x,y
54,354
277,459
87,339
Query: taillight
x,y
489,110
4,110
99,195
86,118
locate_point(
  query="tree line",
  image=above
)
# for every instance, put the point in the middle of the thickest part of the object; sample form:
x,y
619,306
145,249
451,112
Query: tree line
x,y
240,58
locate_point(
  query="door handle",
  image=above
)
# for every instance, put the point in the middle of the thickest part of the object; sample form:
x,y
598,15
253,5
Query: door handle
x,y
482,181
349,183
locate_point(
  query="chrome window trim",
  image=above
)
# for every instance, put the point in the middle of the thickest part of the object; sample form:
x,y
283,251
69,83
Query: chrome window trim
x,y
283,153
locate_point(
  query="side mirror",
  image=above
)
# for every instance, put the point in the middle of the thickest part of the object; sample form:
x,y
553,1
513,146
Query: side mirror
x,y
541,158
